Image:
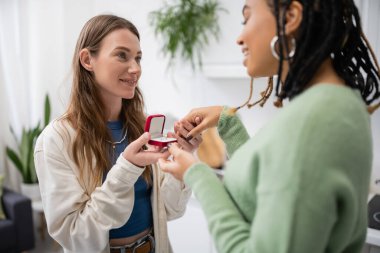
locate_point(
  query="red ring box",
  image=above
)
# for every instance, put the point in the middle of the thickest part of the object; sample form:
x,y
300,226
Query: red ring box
x,y
155,126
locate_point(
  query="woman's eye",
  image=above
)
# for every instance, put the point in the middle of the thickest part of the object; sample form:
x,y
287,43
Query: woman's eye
x,y
122,55
138,59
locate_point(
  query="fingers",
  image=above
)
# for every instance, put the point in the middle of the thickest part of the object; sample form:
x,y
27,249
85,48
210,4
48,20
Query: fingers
x,y
185,144
198,120
194,141
140,142
152,148
166,166
183,129
189,130
176,126
181,141
150,157
140,157
196,130
197,140
202,118
181,161
174,149
187,125
188,144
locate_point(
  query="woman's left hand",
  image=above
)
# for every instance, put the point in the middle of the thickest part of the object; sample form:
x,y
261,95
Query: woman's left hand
x,y
181,161
181,130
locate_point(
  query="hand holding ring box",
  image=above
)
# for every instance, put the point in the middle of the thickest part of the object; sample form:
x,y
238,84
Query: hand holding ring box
x,y
155,126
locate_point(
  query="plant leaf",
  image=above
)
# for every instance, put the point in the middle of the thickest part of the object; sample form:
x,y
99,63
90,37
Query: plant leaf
x,y
23,148
47,110
185,28
15,159
24,160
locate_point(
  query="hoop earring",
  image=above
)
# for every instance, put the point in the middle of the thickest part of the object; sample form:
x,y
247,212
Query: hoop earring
x,y
291,54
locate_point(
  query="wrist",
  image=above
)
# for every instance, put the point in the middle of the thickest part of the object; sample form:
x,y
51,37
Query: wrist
x,y
126,157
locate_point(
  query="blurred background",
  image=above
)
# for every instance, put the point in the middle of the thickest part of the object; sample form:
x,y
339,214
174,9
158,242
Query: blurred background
x,y
37,41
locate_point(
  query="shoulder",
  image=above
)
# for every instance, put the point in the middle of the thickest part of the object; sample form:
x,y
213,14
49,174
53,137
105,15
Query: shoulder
x,y
329,100
57,133
327,108
330,127
325,124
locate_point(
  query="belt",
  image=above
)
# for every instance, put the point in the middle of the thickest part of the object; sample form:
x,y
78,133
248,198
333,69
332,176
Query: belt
x,y
146,244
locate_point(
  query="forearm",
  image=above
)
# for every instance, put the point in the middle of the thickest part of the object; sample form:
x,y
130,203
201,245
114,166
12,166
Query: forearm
x,y
175,196
227,227
71,210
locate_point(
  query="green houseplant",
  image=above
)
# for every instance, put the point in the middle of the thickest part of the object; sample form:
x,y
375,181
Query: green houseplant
x,y
23,158
186,26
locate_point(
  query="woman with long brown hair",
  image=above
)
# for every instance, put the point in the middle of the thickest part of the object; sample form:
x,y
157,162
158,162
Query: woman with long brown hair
x,y
100,187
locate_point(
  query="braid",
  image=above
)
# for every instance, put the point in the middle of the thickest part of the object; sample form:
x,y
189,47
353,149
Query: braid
x,y
359,52
329,29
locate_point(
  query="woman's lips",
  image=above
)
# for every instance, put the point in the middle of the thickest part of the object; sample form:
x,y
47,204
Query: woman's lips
x,y
245,59
245,54
131,82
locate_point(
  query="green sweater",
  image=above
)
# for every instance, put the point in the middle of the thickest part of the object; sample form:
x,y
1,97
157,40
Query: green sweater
x,y
300,185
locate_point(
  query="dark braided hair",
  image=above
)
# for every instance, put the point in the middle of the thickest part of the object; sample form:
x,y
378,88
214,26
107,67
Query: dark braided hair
x,y
329,29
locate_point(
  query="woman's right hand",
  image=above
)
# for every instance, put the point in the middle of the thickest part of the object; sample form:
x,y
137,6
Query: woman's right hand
x,y
202,118
135,153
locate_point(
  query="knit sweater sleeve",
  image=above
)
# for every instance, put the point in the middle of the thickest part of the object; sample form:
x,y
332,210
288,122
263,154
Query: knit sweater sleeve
x,y
278,218
232,131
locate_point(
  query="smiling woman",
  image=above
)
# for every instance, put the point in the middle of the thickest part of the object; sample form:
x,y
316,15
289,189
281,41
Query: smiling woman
x,y
96,177
301,183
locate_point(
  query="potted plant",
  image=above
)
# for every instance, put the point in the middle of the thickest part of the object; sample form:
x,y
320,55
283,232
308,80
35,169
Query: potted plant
x,y
23,157
186,27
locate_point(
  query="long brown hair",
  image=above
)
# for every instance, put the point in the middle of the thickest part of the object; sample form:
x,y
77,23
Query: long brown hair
x,y
86,111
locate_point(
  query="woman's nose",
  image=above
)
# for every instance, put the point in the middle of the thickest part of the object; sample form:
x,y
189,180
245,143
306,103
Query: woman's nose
x,y
134,68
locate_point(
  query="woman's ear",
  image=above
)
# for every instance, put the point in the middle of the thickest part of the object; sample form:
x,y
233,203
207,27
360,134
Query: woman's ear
x,y
293,17
85,59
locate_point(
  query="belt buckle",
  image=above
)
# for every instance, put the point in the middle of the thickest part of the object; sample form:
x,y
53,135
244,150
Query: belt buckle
x,y
147,238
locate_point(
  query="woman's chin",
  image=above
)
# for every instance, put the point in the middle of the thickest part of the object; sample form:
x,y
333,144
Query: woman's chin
x,y
257,73
128,95
251,72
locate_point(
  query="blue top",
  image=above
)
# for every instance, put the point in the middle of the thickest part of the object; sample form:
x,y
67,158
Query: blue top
x,y
141,217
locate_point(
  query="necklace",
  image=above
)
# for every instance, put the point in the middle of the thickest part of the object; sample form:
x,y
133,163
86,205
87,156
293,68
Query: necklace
x,y
114,143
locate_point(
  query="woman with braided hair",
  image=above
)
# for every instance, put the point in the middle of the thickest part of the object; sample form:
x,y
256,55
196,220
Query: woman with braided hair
x,y
301,183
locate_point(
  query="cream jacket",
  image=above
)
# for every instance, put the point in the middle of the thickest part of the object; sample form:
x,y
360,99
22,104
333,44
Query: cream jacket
x,y
79,218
